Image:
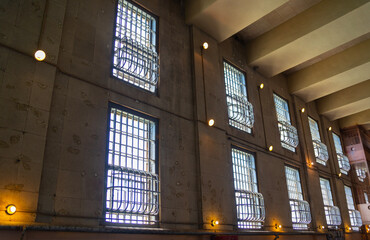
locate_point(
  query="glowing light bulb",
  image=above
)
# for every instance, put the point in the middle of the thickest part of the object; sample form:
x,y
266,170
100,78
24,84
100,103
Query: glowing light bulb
x,y
303,110
262,86
205,45
211,122
214,223
11,209
271,148
329,128
40,55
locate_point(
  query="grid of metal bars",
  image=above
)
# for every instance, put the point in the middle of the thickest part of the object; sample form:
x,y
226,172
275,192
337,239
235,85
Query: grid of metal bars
x,y
320,149
332,213
288,133
135,58
343,161
249,203
132,184
239,109
354,215
361,174
300,209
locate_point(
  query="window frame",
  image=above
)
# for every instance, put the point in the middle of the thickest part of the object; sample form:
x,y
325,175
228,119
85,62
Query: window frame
x,y
157,47
244,73
126,109
256,184
318,160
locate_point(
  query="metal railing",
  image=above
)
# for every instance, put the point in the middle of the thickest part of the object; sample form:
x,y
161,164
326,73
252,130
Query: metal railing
x,y
130,193
300,211
333,218
240,111
321,151
343,161
250,206
361,174
288,134
355,218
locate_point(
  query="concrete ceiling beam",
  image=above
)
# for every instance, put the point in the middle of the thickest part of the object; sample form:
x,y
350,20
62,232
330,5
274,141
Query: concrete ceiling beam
x,y
223,18
361,118
323,27
347,68
346,102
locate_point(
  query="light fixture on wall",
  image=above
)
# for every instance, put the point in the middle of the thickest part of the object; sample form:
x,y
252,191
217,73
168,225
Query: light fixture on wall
x,y
262,86
321,227
271,148
278,226
211,122
339,174
40,55
329,128
214,223
205,45
303,110
10,209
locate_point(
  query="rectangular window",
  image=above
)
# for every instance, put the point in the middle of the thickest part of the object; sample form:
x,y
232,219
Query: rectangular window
x,y
366,197
354,215
343,161
288,133
300,209
240,111
132,184
135,58
249,203
320,149
332,212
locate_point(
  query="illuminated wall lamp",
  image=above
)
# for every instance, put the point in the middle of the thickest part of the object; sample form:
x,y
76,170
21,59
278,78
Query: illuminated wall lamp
x,y
321,227
329,128
40,55
303,110
214,223
205,46
262,86
271,148
211,122
278,226
10,209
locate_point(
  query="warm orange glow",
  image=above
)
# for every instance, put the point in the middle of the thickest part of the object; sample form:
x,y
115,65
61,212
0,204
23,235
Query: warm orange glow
x,y
278,226
214,223
262,86
303,110
271,148
11,209
329,128
40,55
339,174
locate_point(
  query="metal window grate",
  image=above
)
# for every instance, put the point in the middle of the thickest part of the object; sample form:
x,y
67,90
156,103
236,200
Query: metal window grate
x,y
288,133
366,197
249,203
361,174
320,149
132,190
239,109
300,209
332,212
354,215
135,58
343,161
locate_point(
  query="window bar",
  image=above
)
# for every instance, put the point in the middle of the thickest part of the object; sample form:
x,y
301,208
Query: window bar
x,y
332,213
132,191
343,161
354,215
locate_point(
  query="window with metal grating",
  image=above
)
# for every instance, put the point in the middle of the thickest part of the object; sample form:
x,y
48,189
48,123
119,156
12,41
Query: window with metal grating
x,y
320,149
132,184
240,111
249,203
343,160
135,56
288,133
300,209
354,215
332,213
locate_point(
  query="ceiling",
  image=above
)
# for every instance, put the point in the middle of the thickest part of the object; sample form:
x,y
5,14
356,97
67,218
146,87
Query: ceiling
x,y
321,46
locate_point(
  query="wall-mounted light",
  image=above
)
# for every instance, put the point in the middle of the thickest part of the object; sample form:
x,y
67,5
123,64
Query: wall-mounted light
x,y
205,45
262,86
40,55
211,122
303,110
329,128
321,227
278,226
339,174
349,229
10,209
214,223
271,148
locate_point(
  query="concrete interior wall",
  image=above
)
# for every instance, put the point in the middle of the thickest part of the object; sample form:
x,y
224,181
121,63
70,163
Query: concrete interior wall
x,y
53,123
